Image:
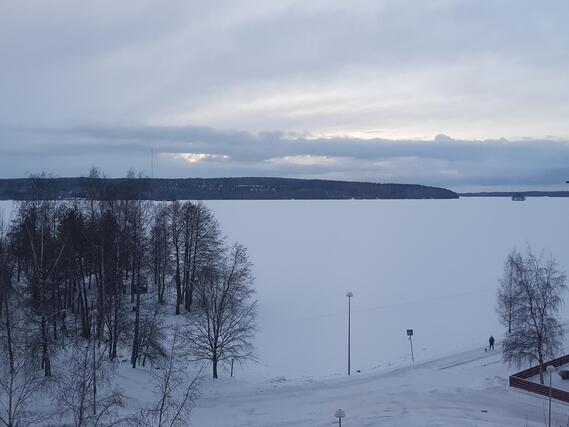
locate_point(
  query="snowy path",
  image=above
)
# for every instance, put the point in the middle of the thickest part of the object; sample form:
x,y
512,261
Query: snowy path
x,y
466,389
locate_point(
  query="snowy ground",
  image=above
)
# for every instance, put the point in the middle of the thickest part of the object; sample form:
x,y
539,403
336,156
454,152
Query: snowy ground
x,y
430,265
466,389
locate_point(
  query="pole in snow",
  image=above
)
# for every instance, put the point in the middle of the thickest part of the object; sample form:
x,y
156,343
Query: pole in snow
x,y
551,369
349,294
410,335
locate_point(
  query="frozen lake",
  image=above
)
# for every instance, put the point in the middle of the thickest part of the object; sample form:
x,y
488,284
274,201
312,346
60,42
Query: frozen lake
x,y
430,265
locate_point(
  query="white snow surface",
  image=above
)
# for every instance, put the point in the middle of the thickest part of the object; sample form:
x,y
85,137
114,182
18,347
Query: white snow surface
x,y
430,265
466,389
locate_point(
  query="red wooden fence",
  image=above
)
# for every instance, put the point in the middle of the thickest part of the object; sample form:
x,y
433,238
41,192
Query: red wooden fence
x,y
519,380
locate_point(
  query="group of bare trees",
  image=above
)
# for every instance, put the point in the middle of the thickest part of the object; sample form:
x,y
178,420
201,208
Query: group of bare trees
x,y
213,284
530,298
87,281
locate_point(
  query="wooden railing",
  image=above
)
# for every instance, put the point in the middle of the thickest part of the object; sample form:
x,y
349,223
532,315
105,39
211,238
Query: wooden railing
x,y
520,380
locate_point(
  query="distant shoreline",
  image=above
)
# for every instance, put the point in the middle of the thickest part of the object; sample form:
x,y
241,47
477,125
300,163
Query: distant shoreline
x,y
212,189
515,193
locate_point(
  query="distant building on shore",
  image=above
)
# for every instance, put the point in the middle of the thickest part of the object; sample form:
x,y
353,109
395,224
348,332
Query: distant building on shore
x,y
518,197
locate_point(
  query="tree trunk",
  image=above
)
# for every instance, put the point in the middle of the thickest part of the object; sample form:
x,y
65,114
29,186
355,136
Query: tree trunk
x,y
136,339
94,379
9,336
115,328
214,365
178,286
46,363
11,363
133,274
100,292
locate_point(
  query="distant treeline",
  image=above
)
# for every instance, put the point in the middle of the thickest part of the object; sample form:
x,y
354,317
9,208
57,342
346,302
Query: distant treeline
x,y
517,193
210,189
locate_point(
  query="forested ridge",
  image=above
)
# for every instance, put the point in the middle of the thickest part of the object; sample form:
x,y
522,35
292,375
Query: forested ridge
x,y
219,188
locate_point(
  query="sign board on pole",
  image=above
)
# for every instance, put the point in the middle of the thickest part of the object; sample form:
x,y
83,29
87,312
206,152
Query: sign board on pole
x,y
340,413
409,332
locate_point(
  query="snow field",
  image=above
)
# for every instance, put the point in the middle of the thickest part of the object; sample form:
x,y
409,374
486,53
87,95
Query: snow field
x,y
430,265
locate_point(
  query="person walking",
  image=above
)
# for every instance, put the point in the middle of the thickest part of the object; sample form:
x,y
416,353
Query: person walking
x,y
491,342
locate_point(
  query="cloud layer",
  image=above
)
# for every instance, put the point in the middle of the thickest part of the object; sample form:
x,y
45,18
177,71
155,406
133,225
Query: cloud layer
x,y
205,152
322,88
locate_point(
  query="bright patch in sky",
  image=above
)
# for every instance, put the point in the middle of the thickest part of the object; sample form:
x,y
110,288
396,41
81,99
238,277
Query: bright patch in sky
x,y
198,157
305,160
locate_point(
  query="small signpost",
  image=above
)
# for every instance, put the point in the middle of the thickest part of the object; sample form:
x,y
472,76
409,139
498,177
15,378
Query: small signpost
x,y
340,414
349,294
410,335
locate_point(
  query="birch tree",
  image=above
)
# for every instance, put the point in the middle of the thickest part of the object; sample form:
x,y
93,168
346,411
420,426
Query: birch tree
x,y
536,331
509,291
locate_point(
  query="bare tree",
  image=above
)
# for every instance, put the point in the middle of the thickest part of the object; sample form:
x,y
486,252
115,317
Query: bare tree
x,y
536,332
202,243
195,240
509,291
151,336
176,390
7,264
139,283
36,232
224,324
20,378
160,251
176,235
76,391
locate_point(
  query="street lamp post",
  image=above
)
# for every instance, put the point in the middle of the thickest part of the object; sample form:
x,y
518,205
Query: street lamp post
x,y
551,369
349,294
340,414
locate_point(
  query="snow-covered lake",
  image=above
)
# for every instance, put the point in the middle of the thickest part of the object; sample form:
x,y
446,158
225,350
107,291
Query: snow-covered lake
x,y
430,265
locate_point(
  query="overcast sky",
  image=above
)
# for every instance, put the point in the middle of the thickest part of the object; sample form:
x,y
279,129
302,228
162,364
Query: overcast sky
x,y
463,94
